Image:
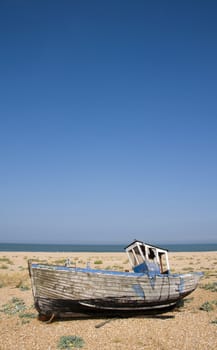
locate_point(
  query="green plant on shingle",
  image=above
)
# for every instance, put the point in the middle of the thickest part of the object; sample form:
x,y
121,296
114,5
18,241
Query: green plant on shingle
x,y
4,267
17,306
26,316
22,286
210,286
214,321
14,306
117,267
70,342
60,261
6,260
207,306
98,262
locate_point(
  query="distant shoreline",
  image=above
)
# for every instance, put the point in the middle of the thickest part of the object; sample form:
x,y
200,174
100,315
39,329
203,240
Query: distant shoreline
x,y
99,248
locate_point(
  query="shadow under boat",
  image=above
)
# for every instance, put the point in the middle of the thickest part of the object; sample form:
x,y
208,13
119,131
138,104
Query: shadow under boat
x,y
81,312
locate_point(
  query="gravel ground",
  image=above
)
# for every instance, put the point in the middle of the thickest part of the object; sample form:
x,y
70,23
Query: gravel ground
x,y
186,328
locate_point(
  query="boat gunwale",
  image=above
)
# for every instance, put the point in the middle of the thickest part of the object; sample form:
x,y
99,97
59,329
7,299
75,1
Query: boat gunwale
x,y
60,268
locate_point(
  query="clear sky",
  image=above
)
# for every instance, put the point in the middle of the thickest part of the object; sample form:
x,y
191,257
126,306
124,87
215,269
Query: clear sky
x,y
108,121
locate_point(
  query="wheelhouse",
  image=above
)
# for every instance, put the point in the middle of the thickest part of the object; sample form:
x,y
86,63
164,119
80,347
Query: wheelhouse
x,y
147,258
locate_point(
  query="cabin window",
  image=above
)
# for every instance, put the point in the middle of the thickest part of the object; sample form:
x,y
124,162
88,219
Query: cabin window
x,y
138,255
163,263
151,254
143,250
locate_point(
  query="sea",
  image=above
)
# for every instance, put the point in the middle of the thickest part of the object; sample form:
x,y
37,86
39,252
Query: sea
x,y
36,247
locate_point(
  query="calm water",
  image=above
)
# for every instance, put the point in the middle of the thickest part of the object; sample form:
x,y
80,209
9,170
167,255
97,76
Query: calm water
x,y
26,247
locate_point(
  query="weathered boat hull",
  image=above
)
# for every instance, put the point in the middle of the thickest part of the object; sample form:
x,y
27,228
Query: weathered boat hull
x,y
66,291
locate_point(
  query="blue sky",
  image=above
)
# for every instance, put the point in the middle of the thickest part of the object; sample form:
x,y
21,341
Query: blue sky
x,y
108,121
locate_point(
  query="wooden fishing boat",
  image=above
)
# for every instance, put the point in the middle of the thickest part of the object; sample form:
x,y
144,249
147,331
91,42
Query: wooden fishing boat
x,y
65,291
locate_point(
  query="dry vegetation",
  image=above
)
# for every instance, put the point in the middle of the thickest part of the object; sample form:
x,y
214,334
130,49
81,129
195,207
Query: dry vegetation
x,y
193,326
